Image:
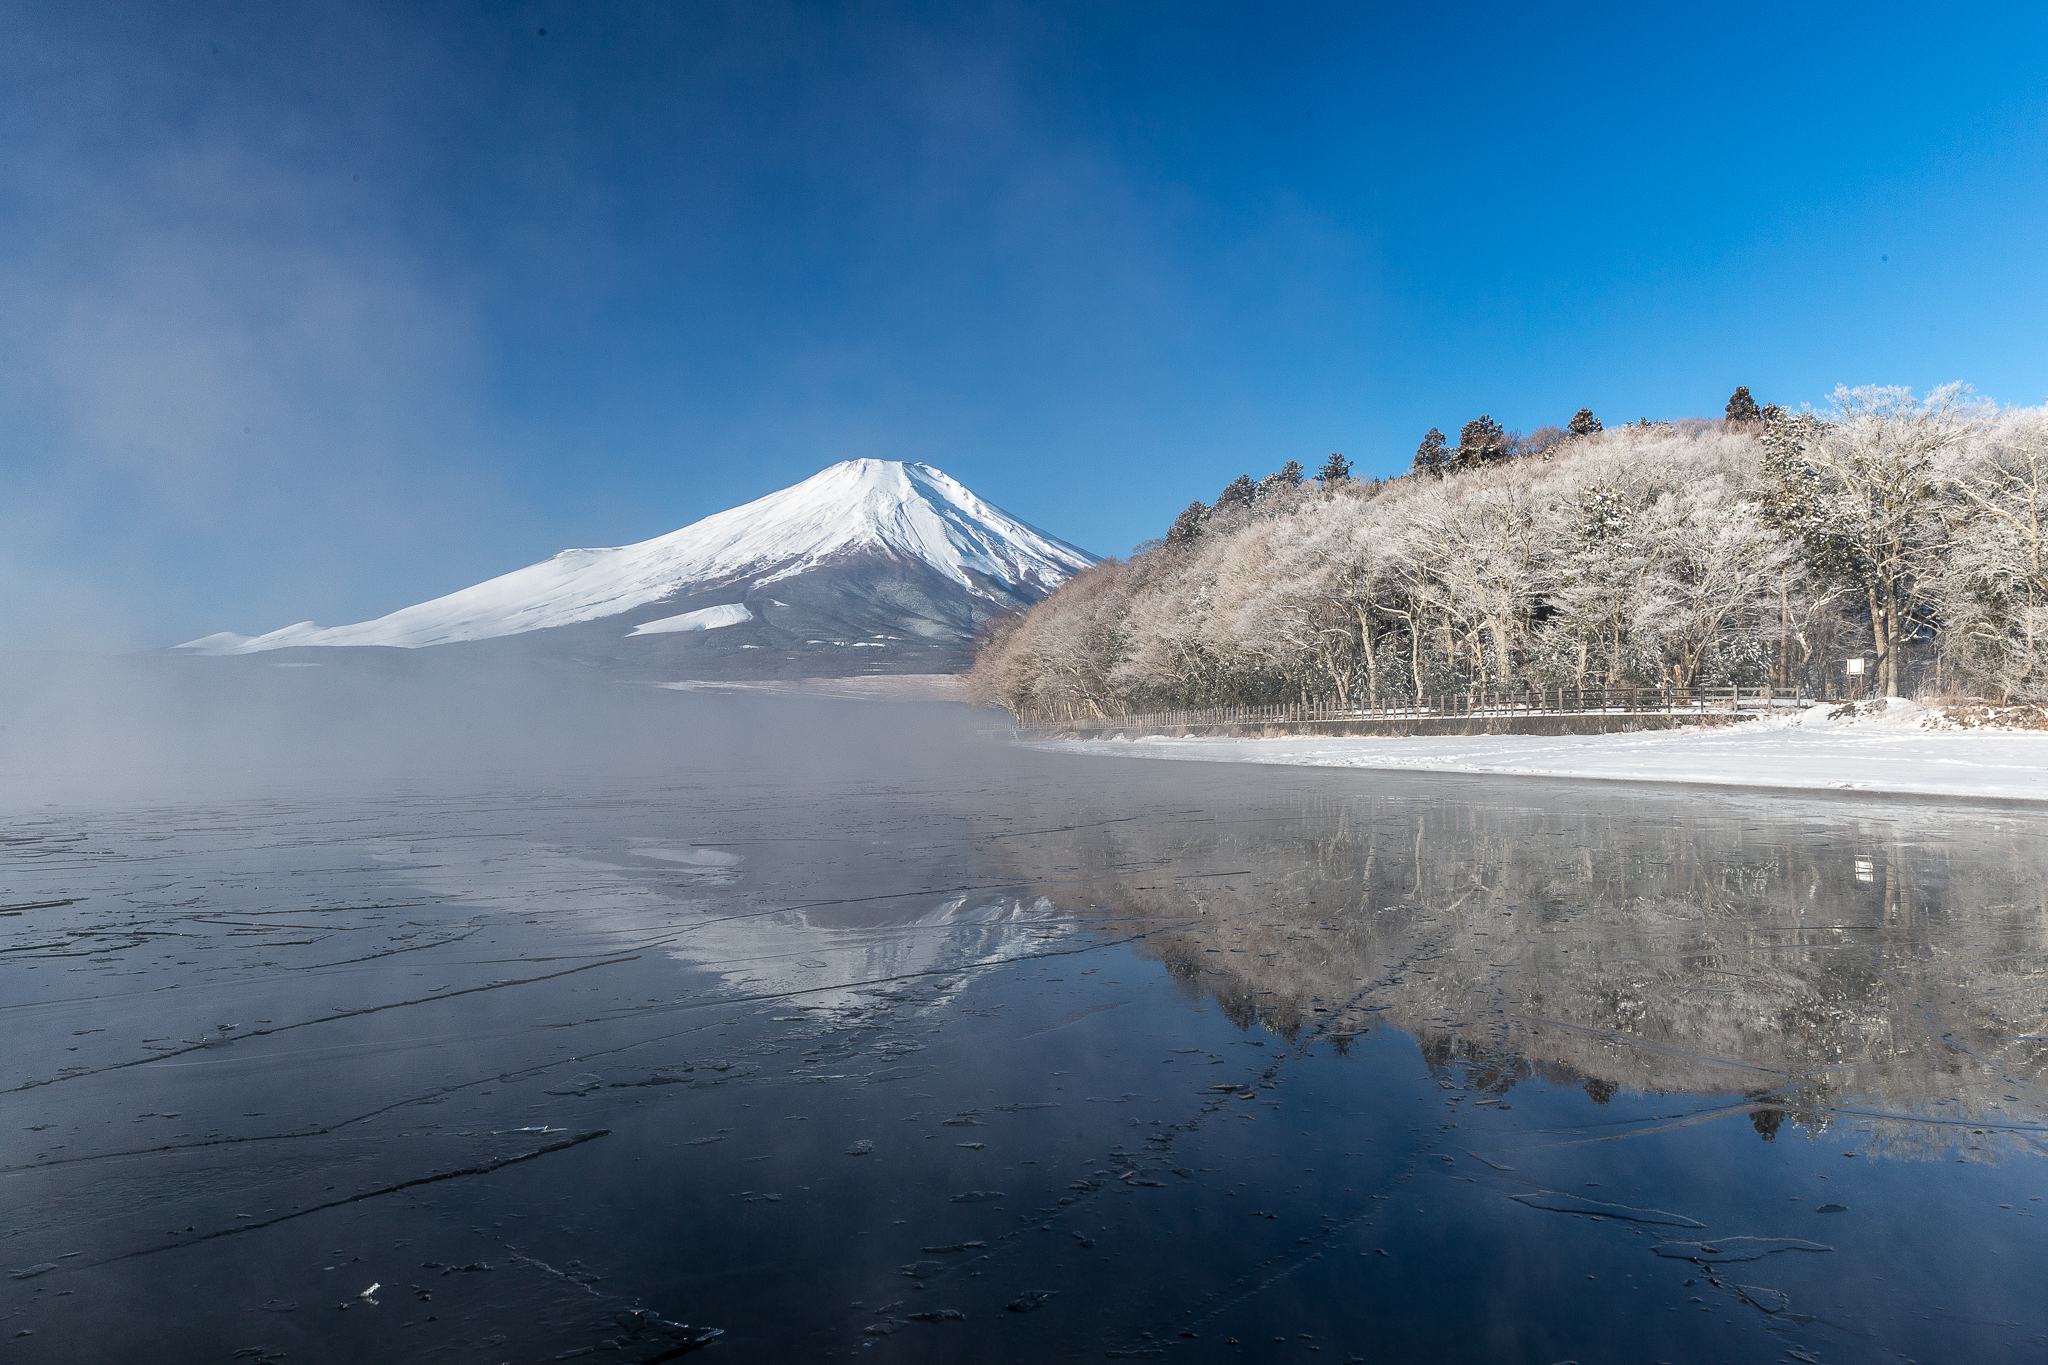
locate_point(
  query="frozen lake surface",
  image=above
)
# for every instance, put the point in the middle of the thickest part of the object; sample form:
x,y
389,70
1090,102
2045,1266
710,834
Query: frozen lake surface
x,y
853,1030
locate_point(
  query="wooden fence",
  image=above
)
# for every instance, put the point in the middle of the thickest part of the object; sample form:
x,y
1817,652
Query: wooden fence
x,y
1479,704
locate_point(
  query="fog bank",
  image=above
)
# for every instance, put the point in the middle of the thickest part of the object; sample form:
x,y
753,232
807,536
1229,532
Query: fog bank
x,y
99,730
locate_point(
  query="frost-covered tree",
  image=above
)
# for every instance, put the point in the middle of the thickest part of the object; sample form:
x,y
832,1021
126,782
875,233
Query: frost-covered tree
x,y
1601,568
1863,488
1493,566
1994,589
1741,407
1062,662
1712,579
1281,599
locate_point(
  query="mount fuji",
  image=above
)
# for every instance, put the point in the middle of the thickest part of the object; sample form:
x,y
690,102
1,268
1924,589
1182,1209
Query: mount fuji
x,y
869,566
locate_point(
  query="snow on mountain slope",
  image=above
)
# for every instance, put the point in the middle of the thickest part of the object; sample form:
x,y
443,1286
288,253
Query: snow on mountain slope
x,y
908,511
705,618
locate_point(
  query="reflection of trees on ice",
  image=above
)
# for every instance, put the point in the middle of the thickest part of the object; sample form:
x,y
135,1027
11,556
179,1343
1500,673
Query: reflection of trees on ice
x,y
1875,968
838,965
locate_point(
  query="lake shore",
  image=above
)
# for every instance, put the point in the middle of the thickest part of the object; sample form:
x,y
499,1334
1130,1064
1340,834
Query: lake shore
x,y
1898,749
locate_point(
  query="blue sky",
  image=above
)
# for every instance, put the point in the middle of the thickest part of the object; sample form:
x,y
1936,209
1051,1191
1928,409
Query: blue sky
x,y
316,311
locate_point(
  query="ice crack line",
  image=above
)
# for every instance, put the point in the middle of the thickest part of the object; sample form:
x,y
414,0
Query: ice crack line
x,y
481,1168
308,1023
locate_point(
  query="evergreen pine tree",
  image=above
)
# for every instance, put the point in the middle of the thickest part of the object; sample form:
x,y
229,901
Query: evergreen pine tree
x,y
1432,456
1482,441
1188,524
1290,473
1743,408
1584,423
1239,492
1336,469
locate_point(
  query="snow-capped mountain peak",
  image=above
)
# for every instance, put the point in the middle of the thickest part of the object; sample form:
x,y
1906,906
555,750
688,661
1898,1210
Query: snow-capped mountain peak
x,y
910,513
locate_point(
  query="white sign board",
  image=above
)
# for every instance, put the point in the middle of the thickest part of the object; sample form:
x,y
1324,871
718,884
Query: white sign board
x,y
1855,665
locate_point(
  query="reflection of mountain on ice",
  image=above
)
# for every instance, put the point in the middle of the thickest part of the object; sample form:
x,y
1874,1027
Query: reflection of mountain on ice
x,y
836,965
673,897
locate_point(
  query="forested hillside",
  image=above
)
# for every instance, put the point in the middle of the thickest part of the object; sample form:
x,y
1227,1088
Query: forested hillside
x,y
1762,548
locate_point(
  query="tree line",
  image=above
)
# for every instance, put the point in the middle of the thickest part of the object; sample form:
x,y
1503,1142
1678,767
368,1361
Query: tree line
x,y
1762,548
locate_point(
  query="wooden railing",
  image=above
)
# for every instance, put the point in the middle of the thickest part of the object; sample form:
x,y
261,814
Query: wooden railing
x,y
1481,702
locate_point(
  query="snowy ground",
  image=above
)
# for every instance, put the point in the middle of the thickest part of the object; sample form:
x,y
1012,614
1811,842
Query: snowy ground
x,y
1896,750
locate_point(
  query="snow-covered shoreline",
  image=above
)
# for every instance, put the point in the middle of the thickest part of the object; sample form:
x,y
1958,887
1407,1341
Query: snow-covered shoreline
x,y
1902,749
